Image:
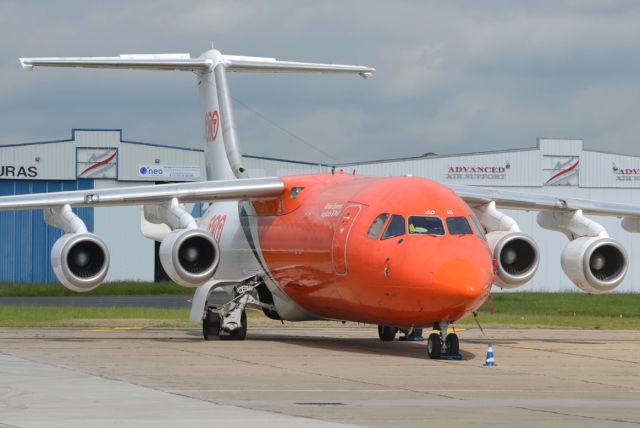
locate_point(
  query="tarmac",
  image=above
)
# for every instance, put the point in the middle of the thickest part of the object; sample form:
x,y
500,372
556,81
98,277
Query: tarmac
x,y
305,376
169,301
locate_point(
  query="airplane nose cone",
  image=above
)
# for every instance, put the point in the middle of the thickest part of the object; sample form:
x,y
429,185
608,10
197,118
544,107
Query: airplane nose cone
x,y
461,284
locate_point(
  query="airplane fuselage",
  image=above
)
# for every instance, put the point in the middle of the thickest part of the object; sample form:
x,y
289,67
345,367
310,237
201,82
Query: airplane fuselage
x,y
319,248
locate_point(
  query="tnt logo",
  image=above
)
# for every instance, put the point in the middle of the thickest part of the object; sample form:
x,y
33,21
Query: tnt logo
x,y
216,225
211,124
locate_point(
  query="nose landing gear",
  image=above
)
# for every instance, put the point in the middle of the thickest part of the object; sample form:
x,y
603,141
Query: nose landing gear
x,y
443,345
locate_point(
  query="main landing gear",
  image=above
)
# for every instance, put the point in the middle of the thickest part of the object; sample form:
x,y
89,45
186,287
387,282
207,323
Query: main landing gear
x,y
443,344
229,321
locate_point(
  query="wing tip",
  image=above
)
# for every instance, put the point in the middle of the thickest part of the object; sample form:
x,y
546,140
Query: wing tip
x,y
26,63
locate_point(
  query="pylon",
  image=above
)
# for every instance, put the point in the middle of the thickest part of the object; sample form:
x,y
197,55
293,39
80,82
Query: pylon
x,y
490,361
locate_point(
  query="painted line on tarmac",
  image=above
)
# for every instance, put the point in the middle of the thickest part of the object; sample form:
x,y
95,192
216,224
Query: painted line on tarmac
x,y
492,390
112,329
542,403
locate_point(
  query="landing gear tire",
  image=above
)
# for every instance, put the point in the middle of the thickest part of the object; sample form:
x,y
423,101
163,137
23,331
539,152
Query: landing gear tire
x,y
211,325
239,333
386,333
453,344
434,346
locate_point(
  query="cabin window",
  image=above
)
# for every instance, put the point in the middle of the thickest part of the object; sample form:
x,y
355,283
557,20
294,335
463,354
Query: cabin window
x,y
395,227
477,228
421,225
377,225
458,226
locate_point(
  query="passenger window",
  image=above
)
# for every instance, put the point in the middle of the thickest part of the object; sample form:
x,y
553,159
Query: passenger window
x,y
420,225
395,227
377,225
477,228
458,226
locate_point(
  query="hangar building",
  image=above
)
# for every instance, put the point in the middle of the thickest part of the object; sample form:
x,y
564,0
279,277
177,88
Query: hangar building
x,y
101,158
554,167
90,159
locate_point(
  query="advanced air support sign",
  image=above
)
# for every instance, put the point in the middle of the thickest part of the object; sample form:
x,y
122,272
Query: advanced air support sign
x,y
479,172
169,172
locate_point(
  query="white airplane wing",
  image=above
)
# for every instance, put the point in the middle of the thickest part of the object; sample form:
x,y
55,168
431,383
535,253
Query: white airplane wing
x,y
476,196
250,188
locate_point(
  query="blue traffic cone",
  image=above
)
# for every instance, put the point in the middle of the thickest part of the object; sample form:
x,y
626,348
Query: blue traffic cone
x,y
490,361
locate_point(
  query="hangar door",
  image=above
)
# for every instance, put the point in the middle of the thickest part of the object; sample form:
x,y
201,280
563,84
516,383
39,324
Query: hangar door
x,y
25,239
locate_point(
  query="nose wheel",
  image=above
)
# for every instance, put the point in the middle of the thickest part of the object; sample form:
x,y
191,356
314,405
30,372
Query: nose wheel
x,y
387,333
443,345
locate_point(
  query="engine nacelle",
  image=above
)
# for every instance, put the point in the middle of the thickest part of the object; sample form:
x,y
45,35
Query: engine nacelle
x,y
517,257
596,265
80,261
189,256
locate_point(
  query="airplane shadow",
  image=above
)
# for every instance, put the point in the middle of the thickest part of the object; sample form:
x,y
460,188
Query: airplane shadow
x,y
361,345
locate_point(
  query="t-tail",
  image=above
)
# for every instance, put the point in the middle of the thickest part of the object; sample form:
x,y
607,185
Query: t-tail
x,y
219,137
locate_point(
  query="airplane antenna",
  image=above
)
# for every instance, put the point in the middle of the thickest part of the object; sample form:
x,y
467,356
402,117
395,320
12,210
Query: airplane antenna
x,y
475,317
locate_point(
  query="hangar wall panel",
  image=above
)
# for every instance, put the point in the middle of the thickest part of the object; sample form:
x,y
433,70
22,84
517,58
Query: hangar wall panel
x,y
26,242
513,168
266,167
132,255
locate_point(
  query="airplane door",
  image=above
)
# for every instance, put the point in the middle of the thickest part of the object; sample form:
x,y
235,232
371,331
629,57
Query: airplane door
x,y
341,237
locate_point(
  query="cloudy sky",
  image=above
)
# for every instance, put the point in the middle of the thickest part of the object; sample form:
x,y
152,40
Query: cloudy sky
x,y
452,76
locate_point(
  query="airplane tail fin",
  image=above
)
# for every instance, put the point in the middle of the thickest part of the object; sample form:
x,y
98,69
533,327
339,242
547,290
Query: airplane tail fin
x,y
223,158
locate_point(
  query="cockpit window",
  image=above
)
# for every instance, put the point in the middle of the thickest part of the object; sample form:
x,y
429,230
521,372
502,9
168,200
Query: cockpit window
x,y
477,228
377,225
425,225
395,227
458,226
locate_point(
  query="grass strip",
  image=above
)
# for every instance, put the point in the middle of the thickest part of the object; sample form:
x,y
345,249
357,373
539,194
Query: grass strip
x,y
549,310
576,304
107,289
70,316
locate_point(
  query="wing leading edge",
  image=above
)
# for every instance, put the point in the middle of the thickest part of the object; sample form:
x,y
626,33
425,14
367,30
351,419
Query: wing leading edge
x,y
476,196
250,188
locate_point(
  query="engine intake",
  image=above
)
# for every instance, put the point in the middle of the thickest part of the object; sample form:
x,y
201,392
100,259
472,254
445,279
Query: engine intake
x,y
80,261
595,265
517,257
189,256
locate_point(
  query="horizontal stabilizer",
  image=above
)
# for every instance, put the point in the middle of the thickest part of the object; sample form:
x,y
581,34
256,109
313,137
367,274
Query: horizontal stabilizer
x,y
186,63
141,62
272,65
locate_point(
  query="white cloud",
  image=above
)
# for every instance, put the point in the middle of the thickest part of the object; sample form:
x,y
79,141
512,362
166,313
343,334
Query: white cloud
x,y
451,77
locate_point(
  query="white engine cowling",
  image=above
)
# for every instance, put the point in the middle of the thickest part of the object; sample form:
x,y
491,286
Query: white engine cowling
x,y
517,257
596,265
80,261
189,256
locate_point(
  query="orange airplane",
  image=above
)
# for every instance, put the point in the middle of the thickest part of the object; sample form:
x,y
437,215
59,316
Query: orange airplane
x,y
403,253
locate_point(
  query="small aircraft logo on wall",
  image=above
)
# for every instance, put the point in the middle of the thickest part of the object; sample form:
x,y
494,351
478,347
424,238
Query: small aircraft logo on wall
x,y
212,123
98,163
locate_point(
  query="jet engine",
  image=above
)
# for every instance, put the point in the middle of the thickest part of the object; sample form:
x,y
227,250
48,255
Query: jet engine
x,y
189,256
516,255
80,261
596,265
